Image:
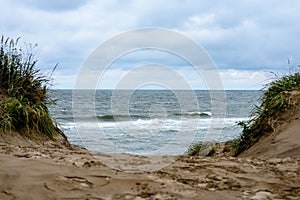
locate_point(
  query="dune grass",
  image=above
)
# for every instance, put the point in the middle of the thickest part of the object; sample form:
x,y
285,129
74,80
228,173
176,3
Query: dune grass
x,y
280,96
200,148
24,105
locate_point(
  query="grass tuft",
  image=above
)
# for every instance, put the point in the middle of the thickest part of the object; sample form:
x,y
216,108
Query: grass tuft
x,y
203,148
25,91
280,95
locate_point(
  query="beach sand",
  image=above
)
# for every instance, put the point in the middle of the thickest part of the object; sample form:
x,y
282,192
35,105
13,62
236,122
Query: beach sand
x,y
270,169
50,171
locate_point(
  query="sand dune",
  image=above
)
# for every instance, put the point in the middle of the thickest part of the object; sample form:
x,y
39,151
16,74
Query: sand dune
x,y
283,142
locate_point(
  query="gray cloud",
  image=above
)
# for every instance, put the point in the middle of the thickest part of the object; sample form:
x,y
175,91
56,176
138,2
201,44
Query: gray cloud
x,y
51,5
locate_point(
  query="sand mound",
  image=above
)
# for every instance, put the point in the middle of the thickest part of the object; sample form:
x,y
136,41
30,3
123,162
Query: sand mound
x,y
18,137
283,142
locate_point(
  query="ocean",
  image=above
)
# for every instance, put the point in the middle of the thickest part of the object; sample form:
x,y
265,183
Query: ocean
x,y
148,122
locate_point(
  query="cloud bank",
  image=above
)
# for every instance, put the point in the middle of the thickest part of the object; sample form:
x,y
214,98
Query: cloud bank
x,y
245,39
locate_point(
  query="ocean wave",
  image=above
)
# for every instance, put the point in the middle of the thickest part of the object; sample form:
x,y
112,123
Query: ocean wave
x,y
120,117
170,124
194,114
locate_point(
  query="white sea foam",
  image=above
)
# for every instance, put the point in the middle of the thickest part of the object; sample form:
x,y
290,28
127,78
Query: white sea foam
x,y
148,128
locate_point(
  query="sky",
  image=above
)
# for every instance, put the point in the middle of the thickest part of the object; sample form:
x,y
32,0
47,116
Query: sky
x,y
246,40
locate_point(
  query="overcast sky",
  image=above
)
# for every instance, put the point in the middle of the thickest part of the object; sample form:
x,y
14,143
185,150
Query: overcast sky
x,y
245,39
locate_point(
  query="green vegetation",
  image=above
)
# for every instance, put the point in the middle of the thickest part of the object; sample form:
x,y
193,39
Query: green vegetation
x,y
210,149
194,149
23,93
200,148
281,95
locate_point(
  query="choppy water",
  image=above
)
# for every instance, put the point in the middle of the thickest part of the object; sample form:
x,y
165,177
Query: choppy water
x,y
148,121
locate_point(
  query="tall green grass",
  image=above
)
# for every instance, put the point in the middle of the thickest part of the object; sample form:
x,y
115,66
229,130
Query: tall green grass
x,y
280,95
25,90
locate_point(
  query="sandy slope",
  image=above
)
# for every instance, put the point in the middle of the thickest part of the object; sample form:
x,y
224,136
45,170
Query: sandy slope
x,y
29,171
285,141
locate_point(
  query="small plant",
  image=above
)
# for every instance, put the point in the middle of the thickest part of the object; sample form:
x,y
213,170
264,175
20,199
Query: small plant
x,y
204,148
25,90
194,149
281,95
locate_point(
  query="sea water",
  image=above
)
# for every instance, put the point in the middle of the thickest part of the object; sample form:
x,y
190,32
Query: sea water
x,y
148,121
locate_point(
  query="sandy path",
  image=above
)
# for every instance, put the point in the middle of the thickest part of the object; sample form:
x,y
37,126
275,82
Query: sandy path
x,y
34,172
